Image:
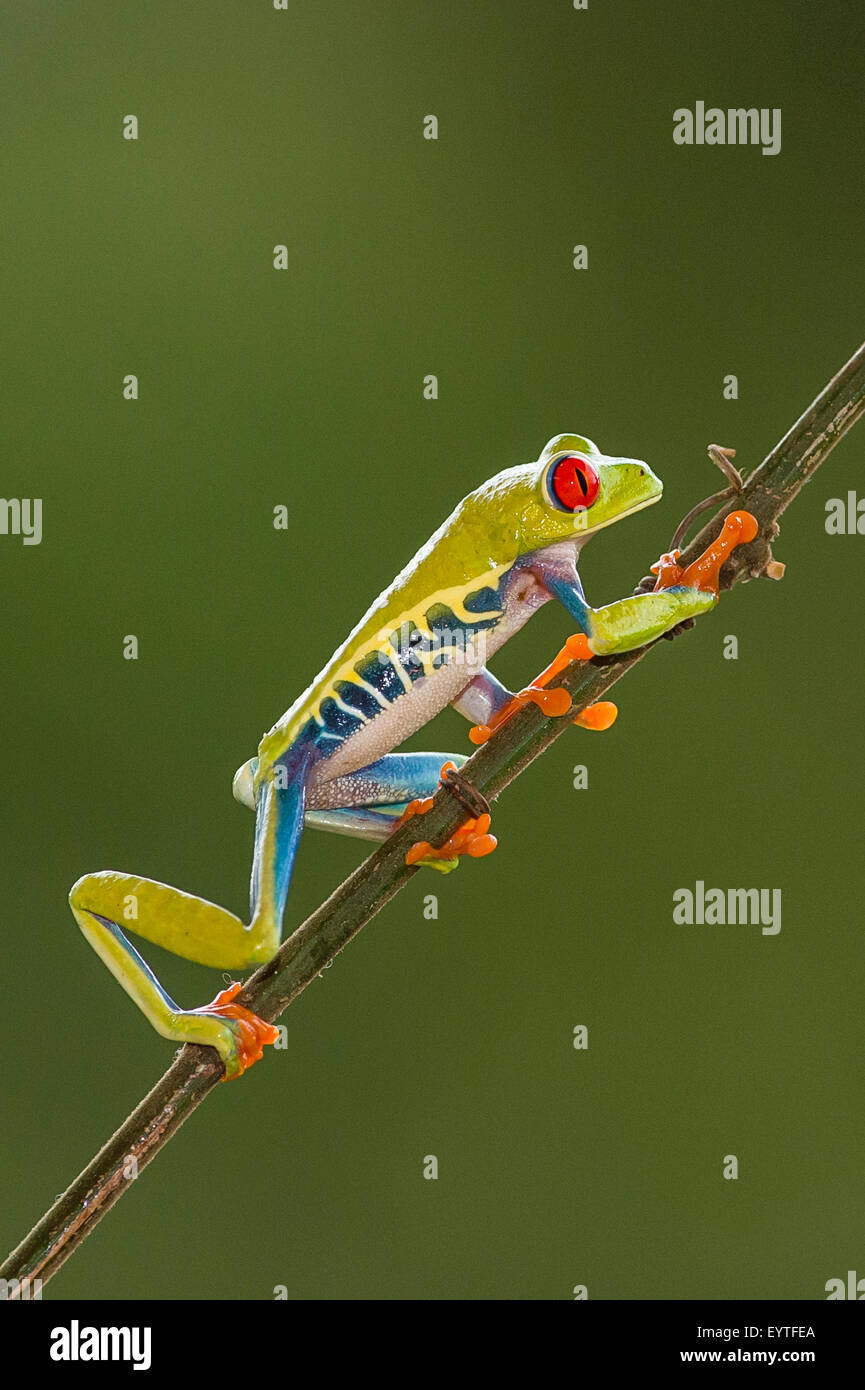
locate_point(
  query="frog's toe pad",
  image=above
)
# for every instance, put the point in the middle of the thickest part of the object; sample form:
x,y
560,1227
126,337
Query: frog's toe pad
x,y
472,838
251,1032
598,717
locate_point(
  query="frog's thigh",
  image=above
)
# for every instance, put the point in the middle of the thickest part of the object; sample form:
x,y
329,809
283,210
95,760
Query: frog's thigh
x,y
398,777
367,803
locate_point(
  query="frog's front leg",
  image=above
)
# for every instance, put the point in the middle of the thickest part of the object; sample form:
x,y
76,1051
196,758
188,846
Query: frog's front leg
x,y
199,930
630,622
483,698
489,704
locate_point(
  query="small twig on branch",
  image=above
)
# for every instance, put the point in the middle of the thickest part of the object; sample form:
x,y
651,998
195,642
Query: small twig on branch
x,y
300,959
721,457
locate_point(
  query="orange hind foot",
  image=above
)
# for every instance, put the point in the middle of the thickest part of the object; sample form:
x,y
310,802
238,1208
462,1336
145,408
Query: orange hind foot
x,y
252,1032
471,838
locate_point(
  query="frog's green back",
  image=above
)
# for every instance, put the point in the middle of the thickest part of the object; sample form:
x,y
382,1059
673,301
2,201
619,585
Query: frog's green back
x,y
456,580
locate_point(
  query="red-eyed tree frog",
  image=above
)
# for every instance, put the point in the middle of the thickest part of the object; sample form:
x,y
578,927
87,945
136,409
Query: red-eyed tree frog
x,y
508,547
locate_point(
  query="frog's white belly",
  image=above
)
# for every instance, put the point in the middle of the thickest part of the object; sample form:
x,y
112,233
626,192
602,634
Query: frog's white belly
x,y
430,694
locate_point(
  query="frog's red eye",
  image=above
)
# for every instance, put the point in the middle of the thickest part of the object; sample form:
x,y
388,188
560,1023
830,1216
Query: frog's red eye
x,y
573,483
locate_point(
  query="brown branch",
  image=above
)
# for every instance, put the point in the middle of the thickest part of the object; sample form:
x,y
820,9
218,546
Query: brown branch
x,y
196,1070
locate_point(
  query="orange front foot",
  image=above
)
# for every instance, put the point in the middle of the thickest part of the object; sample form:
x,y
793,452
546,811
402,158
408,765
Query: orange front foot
x,y
252,1032
738,529
598,717
555,702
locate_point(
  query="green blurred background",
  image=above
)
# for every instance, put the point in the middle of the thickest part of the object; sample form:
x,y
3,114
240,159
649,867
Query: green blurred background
x,y
257,387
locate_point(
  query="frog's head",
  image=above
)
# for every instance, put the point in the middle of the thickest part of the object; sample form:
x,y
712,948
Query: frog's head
x,y
575,490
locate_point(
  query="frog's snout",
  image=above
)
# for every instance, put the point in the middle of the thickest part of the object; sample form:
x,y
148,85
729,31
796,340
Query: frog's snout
x,y
646,479
636,485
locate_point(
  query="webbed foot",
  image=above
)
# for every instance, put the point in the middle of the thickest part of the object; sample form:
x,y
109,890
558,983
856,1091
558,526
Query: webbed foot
x,y
739,528
244,1035
471,838
556,702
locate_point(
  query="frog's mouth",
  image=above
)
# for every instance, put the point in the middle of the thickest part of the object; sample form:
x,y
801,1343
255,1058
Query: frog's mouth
x,y
641,506
620,516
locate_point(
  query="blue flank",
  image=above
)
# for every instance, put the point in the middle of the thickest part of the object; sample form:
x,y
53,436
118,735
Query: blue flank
x,y
416,654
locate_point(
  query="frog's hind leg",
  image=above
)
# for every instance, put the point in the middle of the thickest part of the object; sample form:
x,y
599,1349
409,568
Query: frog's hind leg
x,y
370,803
358,822
199,930
393,780
367,804
363,804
